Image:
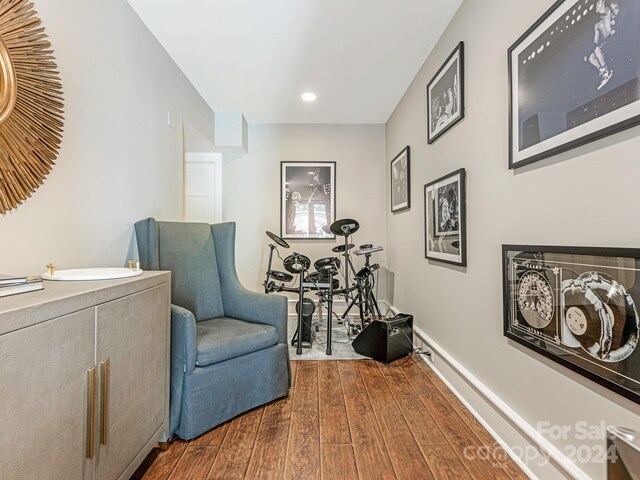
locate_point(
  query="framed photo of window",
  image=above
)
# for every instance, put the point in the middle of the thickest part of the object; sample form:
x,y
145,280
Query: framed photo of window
x,y
401,181
445,219
307,200
574,77
445,95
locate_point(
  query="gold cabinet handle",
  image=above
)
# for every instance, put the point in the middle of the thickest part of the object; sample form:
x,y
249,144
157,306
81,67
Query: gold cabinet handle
x,y
91,410
104,400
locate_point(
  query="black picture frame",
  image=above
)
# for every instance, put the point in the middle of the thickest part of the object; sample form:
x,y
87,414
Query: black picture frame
x,y
401,181
569,86
307,191
445,95
445,204
578,307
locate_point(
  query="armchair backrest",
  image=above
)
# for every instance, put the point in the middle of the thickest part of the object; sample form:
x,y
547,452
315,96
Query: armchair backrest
x,y
189,251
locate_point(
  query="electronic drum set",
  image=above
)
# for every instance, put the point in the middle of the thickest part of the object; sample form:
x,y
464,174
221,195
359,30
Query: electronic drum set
x,y
358,290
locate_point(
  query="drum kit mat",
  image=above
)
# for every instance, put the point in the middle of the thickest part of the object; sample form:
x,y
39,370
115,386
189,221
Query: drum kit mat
x,y
357,290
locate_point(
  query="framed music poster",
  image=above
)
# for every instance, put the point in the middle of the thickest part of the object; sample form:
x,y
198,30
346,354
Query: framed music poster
x,y
574,77
445,95
577,306
307,200
445,219
401,181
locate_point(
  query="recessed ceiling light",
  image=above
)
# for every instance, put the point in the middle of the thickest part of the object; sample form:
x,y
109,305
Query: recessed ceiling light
x,y
309,96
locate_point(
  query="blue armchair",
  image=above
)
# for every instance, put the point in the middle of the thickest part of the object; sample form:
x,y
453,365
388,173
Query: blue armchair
x,y
228,345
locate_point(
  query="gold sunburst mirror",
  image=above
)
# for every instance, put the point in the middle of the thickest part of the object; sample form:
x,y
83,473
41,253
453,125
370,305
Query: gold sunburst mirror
x,y
31,103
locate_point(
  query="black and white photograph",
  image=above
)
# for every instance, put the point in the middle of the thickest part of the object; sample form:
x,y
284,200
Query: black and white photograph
x,y
307,201
445,95
447,213
574,77
579,307
445,219
400,181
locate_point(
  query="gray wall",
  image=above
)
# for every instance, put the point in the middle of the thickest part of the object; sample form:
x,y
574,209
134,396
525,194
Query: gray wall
x,y
252,186
587,196
119,161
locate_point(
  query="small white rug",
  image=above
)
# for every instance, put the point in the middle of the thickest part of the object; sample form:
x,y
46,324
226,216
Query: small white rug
x,y
341,348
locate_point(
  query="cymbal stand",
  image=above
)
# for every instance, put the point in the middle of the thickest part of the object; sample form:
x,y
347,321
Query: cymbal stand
x,y
272,247
330,312
302,274
348,265
371,299
365,298
357,299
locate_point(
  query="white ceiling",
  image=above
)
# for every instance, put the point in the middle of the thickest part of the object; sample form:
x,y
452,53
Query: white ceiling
x,y
259,56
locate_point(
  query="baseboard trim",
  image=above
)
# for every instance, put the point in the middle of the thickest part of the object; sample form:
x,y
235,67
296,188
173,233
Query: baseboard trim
x,y
559,461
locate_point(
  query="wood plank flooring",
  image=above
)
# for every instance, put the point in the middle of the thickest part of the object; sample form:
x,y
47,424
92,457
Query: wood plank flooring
x,y
346,420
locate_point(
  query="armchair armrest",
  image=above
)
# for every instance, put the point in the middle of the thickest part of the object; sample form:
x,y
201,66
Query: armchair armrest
x,y
183,338
257,307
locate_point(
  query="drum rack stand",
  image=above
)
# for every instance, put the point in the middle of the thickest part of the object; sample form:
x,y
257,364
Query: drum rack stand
x,y
365,298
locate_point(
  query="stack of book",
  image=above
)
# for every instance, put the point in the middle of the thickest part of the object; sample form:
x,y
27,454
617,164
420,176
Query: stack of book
x,y
11,285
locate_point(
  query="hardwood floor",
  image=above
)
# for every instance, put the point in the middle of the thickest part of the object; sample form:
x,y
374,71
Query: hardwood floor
x,y
343,420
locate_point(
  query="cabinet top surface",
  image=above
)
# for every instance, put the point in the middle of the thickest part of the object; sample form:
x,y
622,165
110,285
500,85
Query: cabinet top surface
x,y
61,298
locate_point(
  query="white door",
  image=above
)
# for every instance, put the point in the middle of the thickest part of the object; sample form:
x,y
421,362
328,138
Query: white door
x,y
199,192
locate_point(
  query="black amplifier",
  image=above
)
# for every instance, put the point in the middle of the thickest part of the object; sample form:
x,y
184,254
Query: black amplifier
x,y
386,339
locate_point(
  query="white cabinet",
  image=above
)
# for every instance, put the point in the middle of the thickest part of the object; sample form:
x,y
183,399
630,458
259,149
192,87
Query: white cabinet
x,y
84,378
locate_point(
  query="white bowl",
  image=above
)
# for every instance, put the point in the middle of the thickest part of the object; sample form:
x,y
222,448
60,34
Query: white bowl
x,y
80,274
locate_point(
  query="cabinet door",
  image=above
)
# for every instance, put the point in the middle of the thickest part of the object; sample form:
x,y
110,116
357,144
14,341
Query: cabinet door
x,y
132,333
43,399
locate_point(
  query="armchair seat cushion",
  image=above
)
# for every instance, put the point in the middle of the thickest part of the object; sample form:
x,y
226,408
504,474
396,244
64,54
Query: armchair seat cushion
x,y
224,338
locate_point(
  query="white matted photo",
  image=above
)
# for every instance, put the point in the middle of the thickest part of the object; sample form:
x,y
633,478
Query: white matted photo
x,y
400,181
307,199
574,77
445,219
447,209
445,95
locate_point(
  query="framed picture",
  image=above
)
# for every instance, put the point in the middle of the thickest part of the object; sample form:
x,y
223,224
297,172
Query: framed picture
x,y
307,199
577,306
445,219
445,95
574,77
401,181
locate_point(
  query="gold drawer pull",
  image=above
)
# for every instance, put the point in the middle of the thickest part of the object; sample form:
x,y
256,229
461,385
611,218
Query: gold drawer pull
x,y
91,410
104,400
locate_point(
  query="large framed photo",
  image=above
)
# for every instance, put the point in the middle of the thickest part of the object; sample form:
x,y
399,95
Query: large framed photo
x,y
577,306
445,219
574,77
307,199
445,95
400,181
